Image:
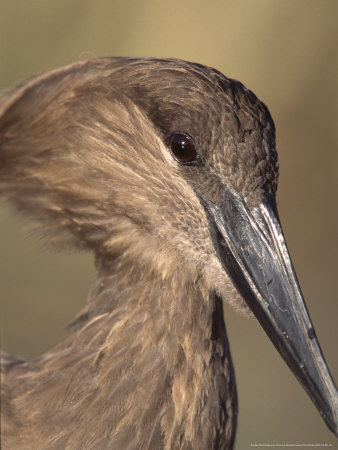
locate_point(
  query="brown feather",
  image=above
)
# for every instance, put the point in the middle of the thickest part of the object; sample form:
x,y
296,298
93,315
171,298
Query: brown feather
x,y
83,149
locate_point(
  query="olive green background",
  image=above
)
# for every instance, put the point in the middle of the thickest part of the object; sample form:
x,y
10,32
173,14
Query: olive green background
x,y
283,50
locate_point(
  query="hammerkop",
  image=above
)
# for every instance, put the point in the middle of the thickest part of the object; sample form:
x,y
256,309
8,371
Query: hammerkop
x,y
168,171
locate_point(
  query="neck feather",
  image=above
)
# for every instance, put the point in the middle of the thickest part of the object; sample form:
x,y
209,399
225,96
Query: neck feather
x,y
149,359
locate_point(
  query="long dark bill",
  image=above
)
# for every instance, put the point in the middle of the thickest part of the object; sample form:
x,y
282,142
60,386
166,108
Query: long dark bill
x,y
251,247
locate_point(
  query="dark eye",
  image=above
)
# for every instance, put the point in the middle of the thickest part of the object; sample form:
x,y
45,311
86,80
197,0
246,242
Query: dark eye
x,y
183,148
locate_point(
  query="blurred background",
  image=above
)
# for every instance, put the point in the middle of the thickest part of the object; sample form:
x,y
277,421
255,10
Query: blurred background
x,y
283,50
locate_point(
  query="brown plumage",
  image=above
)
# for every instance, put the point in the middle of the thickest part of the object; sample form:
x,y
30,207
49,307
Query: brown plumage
x,y
85,149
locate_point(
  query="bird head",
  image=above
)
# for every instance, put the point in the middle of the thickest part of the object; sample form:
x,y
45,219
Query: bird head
x,y
118,154
170,164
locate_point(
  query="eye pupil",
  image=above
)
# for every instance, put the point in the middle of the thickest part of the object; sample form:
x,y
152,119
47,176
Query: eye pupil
x,y
183,147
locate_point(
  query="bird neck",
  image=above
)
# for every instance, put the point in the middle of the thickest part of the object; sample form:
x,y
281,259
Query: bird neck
x,y
167,334
149,358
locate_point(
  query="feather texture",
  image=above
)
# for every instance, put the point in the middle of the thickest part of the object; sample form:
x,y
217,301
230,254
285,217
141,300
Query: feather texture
x,y
83,150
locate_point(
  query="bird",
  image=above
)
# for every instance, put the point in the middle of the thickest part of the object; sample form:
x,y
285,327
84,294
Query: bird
x,y
167,171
